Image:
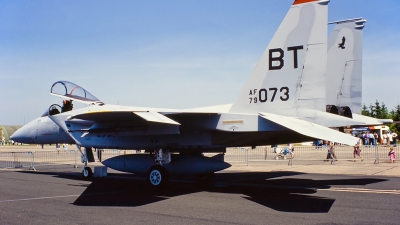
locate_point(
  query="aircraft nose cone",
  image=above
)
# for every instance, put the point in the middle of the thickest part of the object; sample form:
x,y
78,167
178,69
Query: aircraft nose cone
x,y
21,135
17,137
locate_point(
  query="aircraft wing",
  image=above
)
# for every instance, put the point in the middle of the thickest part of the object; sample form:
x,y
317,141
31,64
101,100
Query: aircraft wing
x,y
126,122
310,129
115,116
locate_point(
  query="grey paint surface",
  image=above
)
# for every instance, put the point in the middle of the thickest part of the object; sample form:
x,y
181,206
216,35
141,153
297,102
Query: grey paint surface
x,y
344,70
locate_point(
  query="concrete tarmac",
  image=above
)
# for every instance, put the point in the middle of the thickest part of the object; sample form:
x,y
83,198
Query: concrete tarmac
x,y
61,196
344,167
308,192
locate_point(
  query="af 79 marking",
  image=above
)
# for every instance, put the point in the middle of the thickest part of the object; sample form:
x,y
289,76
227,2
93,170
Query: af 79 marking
x,y
262,94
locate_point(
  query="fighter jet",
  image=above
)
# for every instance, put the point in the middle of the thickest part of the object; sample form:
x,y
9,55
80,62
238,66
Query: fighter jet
x,y
284,100
344,79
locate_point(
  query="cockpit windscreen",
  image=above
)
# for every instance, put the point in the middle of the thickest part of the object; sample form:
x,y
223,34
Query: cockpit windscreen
x,y
70,90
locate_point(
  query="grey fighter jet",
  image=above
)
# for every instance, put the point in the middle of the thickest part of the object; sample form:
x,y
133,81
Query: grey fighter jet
x,y
284,100
344,79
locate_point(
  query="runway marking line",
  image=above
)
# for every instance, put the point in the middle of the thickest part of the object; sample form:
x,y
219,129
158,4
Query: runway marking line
x,y
363,190
39,198
61,196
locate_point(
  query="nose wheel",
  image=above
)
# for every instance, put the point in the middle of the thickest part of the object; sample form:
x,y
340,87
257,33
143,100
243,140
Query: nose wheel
x,y
87,172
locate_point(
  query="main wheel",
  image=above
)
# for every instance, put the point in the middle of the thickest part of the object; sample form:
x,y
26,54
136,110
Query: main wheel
x,y
87,172
157,176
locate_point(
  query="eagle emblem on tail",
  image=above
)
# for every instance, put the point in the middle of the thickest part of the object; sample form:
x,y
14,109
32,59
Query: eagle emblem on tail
x,y
341,45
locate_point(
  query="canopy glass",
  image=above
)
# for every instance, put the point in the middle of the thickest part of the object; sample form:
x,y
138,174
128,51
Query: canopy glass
x,y
72,91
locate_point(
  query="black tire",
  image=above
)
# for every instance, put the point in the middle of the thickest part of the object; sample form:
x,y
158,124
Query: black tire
x,y
87,172
157,176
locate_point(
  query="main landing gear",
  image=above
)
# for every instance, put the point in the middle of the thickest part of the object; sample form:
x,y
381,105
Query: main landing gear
x,y
157,175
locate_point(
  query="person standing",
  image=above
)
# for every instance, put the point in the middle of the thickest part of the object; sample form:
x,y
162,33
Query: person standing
x,y
316,143
328,155
390,139
376,138
366,139
384,140
394,136
58,148
357,151
65,147
371,139
392,155
332,150
275,148
291,149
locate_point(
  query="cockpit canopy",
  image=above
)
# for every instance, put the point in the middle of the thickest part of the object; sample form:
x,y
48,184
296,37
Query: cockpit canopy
x,y
69,90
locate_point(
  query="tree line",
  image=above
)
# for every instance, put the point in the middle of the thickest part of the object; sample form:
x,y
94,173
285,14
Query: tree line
x,y
380,111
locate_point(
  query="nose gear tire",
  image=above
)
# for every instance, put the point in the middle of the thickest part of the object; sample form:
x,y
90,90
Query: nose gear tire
x,y
87,172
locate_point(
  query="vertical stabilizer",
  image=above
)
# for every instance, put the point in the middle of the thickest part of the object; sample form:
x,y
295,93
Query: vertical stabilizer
x,y
344,69
290,74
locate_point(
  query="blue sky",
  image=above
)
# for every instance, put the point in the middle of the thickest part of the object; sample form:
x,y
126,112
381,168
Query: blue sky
x,y
172,54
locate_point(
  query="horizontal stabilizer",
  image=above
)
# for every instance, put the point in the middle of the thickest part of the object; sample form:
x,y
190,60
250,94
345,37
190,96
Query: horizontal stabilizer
x,y
115,116
369,121
310,129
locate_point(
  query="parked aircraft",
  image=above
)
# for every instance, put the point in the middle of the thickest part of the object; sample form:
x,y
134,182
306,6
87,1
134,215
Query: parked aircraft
x,y
344,79
283,101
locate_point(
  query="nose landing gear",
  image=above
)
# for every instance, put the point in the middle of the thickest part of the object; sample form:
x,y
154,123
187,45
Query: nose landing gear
x,y
87,171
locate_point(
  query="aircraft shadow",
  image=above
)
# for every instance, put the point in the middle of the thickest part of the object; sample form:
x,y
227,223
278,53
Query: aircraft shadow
x,y
270,189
